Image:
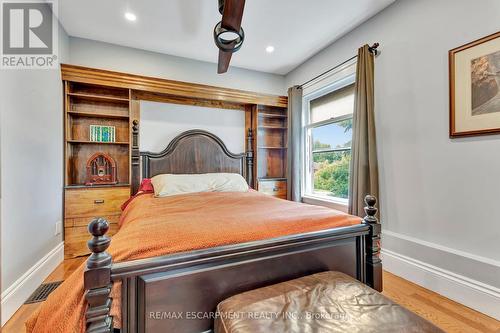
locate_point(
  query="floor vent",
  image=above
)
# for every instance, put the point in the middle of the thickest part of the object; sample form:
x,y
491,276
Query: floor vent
x,y
42,292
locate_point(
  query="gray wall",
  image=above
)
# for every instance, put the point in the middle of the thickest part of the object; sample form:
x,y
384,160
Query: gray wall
x,y
442,192
91,53
161,122
32,165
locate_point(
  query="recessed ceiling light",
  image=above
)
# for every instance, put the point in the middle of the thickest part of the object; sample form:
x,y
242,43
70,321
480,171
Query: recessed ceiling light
x,y
130,16
270,49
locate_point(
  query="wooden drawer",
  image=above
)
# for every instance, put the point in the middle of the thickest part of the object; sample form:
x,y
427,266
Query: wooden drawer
x,y
84,221
75,240
276,188
94,202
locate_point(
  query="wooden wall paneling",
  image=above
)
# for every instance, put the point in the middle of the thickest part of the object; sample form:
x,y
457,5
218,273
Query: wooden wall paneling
x,y
168,87
183,100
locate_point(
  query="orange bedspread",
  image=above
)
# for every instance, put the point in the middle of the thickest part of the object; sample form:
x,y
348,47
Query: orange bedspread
x,y
158,226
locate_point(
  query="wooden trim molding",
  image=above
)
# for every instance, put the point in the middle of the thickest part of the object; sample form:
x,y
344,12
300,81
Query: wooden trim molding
x,y
168,87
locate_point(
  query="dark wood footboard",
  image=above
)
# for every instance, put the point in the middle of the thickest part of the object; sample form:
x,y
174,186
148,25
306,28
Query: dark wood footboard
x,y
97,280
180,292
372,241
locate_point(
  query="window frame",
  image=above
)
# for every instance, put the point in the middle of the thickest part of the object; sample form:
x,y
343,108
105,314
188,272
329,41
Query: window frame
x,y
307,170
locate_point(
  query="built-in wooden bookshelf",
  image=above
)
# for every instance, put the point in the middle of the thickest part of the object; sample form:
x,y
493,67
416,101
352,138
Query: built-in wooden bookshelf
x,y
271,144
86,105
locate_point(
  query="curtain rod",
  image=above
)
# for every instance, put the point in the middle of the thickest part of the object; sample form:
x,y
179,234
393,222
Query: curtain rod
x,y
372,49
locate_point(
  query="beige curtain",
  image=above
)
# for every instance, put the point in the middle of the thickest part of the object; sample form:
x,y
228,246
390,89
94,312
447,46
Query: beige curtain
x,y
294,160
364,169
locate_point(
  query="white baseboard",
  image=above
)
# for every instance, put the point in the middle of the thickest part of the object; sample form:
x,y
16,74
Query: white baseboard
x,y
472,293
16,294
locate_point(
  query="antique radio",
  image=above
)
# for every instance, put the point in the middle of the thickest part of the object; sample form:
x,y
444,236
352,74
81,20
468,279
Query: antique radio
x,y
101,170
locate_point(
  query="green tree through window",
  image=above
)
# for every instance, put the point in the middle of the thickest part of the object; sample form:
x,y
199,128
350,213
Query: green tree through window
x,y
331,168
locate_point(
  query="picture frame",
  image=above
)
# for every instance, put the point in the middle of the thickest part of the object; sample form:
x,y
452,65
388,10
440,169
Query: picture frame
x,y
474,71
102,133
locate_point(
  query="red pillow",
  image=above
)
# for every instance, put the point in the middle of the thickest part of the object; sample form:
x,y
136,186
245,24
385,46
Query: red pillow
x,y
145,187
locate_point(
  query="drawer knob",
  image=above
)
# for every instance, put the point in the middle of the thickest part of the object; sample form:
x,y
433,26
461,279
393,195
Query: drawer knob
x,y
275,189
97,202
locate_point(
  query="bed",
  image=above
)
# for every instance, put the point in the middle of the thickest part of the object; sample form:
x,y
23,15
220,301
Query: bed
x,y
179,291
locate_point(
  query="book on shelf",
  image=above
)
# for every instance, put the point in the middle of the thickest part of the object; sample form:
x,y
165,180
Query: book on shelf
x,y
100,133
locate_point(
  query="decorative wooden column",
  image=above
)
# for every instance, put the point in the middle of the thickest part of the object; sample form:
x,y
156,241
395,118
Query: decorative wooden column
x,y
135,163
372,245
97,280
249,159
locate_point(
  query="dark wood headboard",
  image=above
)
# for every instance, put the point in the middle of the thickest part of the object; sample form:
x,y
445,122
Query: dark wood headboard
x,y
191,152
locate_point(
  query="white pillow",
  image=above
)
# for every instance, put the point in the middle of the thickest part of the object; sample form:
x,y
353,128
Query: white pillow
x,y
169,184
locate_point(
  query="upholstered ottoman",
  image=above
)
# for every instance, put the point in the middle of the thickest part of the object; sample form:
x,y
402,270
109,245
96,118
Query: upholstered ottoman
x,y
323,302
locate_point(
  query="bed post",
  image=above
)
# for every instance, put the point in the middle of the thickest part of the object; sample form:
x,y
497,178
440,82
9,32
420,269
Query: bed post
x,y
97,280
249,159
372,245
136,172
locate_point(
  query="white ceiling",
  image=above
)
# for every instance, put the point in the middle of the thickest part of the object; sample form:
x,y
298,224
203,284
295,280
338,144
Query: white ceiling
x,y
296,28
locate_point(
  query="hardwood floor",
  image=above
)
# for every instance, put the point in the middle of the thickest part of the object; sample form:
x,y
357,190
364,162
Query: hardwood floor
x,y
16,323
443,312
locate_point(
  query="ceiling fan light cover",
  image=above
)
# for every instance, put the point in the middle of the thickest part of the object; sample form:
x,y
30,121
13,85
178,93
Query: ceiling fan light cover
x,y
228,45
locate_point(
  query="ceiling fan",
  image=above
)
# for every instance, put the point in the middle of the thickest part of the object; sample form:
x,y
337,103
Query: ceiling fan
x,y
228,33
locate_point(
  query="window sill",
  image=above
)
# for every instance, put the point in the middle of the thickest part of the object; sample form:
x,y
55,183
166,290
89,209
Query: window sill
x,y
337,204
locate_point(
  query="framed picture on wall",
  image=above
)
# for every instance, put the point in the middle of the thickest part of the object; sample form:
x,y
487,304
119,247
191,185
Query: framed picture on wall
x,y
475,87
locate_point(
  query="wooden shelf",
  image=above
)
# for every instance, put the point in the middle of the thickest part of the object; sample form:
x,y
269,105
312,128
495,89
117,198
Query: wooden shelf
x,y
98,115
77,186
271,145
98,97
97,142
263,179
272,115
273,127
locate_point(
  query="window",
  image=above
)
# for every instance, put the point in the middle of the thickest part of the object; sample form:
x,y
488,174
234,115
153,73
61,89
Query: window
x,y
328,142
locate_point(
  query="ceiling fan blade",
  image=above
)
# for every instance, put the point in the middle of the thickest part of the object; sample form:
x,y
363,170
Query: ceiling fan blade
x,y
232,15
231,20
224,59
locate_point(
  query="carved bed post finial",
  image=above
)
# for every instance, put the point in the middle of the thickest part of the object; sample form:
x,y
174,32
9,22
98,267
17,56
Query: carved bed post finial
x,y
250,180
136,172
97,280
372,245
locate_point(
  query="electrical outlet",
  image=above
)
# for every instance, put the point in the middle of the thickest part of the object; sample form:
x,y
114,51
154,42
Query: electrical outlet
x,y
58,228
